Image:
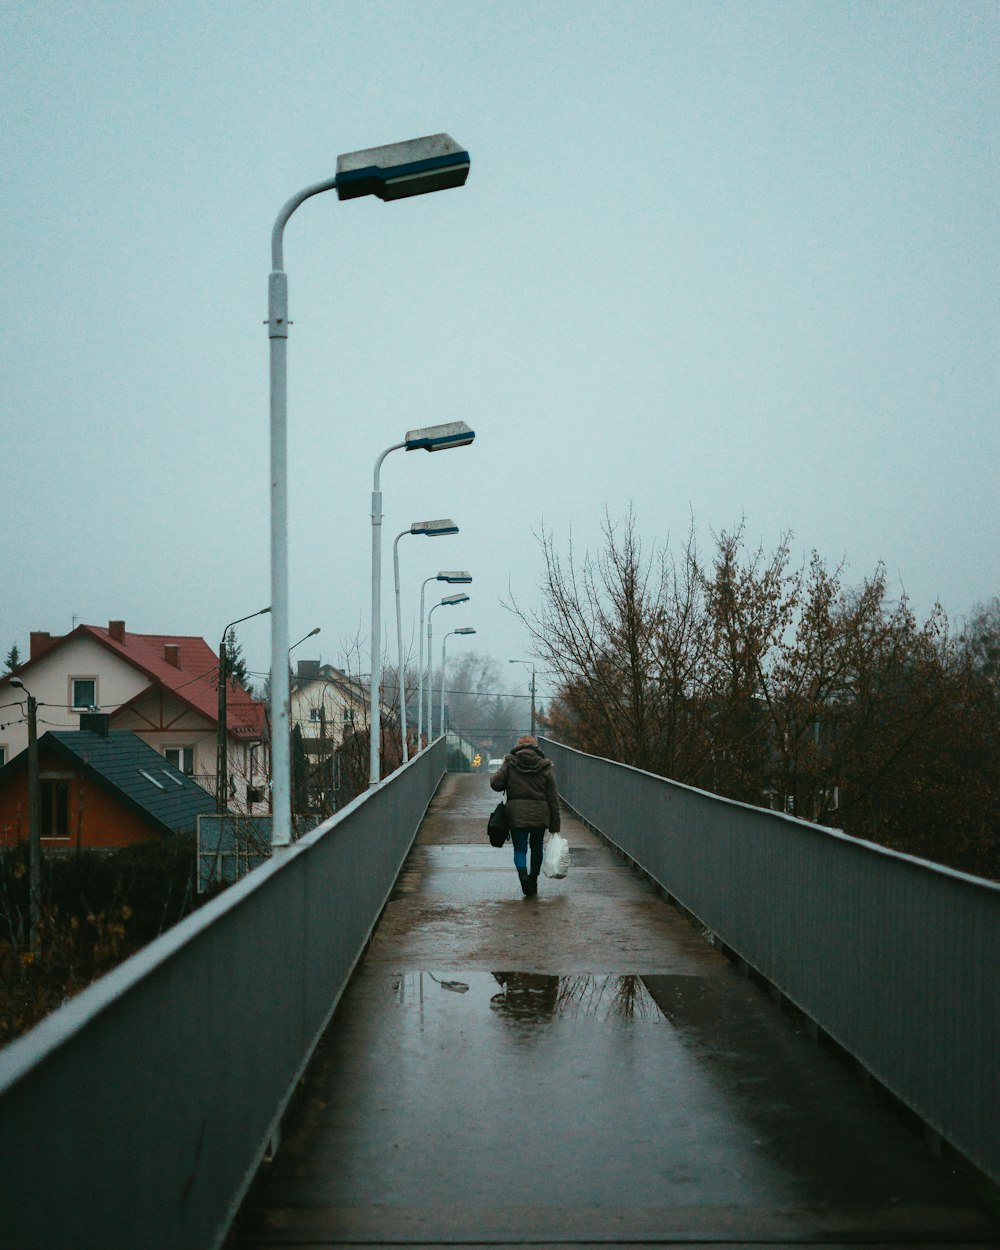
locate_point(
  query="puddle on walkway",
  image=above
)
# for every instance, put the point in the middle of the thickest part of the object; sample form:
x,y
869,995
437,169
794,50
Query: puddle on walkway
x,y
537,996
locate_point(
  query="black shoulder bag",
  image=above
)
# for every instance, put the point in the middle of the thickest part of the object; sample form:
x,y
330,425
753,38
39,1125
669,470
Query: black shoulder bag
x,y
497,828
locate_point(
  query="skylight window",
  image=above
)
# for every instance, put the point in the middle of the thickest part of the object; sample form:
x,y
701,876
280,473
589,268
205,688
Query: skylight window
x,y
176,780
149,777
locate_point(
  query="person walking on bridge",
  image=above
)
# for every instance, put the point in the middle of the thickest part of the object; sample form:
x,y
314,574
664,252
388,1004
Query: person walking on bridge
x,y
532,805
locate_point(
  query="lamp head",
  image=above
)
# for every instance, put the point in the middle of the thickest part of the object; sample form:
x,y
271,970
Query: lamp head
x,y
397,170
453,599
455,577
439,437
465,629
434,529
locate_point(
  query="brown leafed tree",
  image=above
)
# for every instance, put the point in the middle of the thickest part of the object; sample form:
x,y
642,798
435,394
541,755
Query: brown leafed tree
x,y
776,686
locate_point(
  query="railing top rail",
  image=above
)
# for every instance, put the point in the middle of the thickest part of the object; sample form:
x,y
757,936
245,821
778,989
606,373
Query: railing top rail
x,y
55,1030
825,830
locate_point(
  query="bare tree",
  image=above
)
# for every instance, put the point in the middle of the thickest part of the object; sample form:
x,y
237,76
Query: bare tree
x,y
778,686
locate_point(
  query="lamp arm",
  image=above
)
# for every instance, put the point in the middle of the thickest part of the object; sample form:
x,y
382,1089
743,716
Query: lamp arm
x,y
277,252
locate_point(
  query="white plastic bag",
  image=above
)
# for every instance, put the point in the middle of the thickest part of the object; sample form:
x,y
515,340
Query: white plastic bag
x,y
555,861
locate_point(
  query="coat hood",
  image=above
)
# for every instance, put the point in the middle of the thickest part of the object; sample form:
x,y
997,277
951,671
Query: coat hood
x,y
528,759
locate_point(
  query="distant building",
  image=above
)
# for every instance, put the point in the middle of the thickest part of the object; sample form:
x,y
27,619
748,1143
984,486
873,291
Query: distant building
x,y
99,787
327,704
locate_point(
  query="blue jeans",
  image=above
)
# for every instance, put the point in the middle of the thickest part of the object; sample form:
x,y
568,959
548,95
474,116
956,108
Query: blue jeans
x,y
520,838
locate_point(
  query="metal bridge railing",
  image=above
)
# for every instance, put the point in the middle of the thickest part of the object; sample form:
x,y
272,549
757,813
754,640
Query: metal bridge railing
x,y
137,1114
896,959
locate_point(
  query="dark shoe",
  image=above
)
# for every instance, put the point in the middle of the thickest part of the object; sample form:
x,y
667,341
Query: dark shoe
x,y
532,887
525,879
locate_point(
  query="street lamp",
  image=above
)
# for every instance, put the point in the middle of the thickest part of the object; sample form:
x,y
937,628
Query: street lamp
x,y
34,824
448,601
429,438
454,577
431,529
221,743
465,629
390,172
312,633
532,667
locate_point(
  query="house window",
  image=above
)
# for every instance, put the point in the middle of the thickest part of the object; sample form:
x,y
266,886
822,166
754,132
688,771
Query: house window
x,y
182,759
314,714
55,809
3,754
83,693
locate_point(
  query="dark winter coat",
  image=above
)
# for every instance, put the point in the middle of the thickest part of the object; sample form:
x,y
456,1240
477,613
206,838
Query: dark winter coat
x,y
532,797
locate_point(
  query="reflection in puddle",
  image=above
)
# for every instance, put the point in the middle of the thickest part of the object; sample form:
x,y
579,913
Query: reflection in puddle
x,y
536,996
459,987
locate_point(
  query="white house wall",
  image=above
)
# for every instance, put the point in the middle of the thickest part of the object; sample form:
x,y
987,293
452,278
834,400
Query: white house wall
x,y
50,681
160,718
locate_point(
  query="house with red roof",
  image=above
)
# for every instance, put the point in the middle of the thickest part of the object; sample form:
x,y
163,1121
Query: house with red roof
x,y
163,687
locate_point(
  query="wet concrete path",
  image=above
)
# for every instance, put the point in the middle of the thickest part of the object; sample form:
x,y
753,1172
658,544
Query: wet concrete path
x,y
582,1069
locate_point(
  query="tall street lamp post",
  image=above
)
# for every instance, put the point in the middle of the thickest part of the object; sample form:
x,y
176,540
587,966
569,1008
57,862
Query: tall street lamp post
x,y
532,667
430,438
448,601
391,172
222,728
296,789
34,823
431,529
454,577
465,629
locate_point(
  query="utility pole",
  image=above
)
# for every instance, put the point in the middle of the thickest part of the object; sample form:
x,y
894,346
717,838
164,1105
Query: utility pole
x,y
221,747
528,664
34,825
222,738
34,821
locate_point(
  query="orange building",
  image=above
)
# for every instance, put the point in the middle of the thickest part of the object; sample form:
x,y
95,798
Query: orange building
x,y
99,787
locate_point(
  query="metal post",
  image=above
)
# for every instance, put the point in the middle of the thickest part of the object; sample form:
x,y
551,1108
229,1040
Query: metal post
x,y
374,715
400,678
221,746
375,681
430,676
281,788
443,641
277,332
532,700
34,827
420,670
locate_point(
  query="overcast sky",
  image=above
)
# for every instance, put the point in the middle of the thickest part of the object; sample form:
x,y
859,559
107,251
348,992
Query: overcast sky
x,y
718,260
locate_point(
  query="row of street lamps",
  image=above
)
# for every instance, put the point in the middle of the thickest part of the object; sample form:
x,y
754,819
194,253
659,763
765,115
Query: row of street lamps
x,y
391,172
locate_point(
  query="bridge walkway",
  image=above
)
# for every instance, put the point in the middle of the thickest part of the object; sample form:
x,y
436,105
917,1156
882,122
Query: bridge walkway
x,y
582,1069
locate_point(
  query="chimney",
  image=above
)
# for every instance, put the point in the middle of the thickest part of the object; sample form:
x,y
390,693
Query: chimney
x,y
117,631
172,653
97,723
38,641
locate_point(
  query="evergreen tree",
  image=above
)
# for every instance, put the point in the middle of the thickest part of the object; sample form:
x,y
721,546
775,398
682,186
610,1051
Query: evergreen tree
x,y
13,660
236,664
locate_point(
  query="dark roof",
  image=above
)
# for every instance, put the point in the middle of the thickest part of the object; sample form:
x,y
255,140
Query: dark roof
x,y
124,763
